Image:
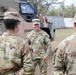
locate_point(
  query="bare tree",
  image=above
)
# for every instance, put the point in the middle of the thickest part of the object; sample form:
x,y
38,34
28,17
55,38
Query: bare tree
x,y
43,5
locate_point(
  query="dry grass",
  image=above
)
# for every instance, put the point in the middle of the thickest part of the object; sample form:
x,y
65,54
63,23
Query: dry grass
x,y
60,35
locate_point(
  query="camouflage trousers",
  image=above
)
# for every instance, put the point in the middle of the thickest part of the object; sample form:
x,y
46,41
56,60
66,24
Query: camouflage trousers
x,y
8,74
42,64
61,73
29,70
29,65
58,73
71,74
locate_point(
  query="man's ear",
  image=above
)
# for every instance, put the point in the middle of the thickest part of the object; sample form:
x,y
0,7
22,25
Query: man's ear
x,y
16,26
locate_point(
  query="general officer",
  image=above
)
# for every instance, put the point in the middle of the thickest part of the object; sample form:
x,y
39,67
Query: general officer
x,y
65,56
40,45
12,47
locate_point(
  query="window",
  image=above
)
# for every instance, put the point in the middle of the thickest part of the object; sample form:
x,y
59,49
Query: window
x,y
26,8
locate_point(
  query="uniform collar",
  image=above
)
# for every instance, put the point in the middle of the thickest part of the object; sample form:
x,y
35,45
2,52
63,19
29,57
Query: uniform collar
x,y
37,31
6,34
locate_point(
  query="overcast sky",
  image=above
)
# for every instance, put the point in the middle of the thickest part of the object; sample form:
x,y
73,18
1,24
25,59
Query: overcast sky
x,y
69,2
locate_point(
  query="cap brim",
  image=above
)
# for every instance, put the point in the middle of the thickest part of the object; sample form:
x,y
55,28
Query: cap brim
x,y
36,23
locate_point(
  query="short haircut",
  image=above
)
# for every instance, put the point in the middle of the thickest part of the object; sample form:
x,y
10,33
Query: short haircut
x,y
10,23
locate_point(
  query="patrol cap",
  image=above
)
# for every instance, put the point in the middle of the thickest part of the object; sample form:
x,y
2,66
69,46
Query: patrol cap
x,y
36,21
11,15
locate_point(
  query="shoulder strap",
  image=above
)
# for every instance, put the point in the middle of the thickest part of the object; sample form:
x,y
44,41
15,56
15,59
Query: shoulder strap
x,y
33,41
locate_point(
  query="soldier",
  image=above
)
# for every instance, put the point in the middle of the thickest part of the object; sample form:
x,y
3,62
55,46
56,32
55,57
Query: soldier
x,y
40,45
12,47
65,56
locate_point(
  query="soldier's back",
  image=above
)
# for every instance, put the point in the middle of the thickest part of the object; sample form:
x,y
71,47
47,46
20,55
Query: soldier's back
x,y
71,57
10,52
65,57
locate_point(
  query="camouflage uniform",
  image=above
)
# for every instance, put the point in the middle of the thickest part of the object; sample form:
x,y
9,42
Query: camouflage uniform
x,y
12,49
65,57
66,41
12,54
38,42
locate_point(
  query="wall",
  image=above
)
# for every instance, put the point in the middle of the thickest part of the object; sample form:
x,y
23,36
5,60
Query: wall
x,y
68,22
58,21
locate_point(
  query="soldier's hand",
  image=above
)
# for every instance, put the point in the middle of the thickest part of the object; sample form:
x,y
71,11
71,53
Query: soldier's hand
x,y
45,58
20,72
